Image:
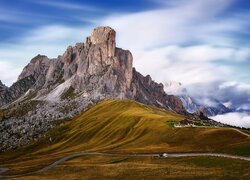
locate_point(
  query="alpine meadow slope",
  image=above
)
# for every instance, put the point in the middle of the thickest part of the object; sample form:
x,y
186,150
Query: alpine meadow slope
x,y
122,127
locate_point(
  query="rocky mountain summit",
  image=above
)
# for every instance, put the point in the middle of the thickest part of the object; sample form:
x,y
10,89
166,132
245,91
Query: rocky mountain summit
x,y
48,90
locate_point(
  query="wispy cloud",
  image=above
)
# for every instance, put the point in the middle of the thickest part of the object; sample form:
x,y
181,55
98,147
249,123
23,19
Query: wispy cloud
x,y
183,23
235,94
9,16
67,5
181,42
186,65
30,19
53,33
9,72
234,119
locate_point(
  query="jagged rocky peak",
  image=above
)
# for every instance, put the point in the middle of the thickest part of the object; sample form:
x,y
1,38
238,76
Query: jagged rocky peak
x,y
2,86
105,38
99,58
36,67
103,42
103,34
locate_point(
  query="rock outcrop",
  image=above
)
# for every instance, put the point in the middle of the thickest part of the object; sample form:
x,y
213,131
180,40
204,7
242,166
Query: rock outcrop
x,y
8,95
64,86
2,87
149,92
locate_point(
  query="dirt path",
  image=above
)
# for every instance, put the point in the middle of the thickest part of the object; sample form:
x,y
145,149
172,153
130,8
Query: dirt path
x,y
241,132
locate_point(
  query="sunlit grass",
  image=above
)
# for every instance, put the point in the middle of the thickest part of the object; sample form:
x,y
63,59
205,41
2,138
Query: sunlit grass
x,y
123,126
103,167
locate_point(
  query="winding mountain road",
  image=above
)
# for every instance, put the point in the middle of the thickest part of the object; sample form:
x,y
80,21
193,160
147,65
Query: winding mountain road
x,y
2,170
66,158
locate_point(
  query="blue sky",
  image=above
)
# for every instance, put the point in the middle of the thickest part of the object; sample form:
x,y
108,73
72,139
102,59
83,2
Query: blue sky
x,y
26,26
211,37
18,16
204,44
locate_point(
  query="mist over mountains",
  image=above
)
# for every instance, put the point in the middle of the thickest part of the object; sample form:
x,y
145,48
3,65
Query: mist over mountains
x,y
226,102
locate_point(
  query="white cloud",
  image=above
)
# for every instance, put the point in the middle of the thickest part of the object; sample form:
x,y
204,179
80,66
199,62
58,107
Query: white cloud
x,y
11,16
234,94
9,72
209,53
234,119
235,85
180,24
237,93
186,65
48,34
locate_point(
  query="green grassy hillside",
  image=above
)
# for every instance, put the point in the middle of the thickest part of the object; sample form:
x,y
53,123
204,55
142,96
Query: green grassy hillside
x,y
112,126
123,126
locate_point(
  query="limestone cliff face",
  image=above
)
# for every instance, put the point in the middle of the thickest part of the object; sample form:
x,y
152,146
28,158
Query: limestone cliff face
x,y
96,68
147,91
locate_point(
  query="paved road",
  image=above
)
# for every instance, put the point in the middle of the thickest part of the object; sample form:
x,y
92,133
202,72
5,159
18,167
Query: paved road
x,y
2,170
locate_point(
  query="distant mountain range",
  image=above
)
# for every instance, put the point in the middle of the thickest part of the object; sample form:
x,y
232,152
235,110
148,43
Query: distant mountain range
x,y
196,104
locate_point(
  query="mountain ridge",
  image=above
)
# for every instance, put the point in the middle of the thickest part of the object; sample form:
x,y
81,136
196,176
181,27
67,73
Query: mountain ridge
x,y
194,104
60,88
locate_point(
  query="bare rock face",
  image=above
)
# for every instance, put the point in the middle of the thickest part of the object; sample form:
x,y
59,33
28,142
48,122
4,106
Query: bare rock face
x,y
104,36
12,93
149,92
64,86
37,68
2,87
